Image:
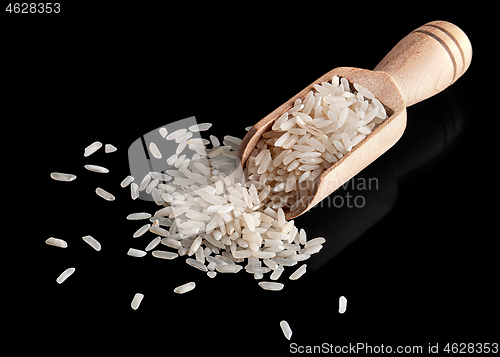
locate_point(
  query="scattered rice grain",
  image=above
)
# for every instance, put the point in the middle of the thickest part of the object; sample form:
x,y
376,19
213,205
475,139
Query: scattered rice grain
x,y
185,288
92,148
267,285
136,301
56,242
108,148
92,242
104,194
62,177
95,168
287,331
342,304
298,272
65,275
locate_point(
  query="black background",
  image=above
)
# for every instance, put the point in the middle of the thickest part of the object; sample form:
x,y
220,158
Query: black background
x,y
419,264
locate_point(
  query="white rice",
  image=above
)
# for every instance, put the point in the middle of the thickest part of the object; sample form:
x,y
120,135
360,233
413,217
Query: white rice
x,y
153,244
136,253
134,191
151,186
137,216
342,304
62,177
145,182
196,264
141,230
266,285
310,137
159,176
95,168
287,331
185,288
92,242
108,148
299,272
163,132
154,150
164,255
176,134
228,268
56,242
277,273
126,181
213,213
200,127
65,275
315,241
92,148
104,194
136,301
208,206
172,243
159,230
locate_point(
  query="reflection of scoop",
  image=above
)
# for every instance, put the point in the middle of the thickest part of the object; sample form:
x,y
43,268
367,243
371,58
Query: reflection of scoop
x,y
425,138
422,64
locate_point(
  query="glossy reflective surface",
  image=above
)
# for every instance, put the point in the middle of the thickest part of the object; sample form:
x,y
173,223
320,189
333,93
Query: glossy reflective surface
x,y
410,241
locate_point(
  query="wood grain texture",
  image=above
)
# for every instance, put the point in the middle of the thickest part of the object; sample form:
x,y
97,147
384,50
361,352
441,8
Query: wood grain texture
x,y
428,60
422,64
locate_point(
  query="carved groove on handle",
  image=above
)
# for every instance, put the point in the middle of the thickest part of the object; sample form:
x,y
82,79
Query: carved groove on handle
x,y
428,60
445,47
454,39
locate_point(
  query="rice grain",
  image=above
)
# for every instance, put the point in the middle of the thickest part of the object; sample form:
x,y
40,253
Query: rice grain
x,y
153,244
298,272
141,230
136,253
62,177
92,242
196,264
92,148
65,275
56,242
164,255
137,216
287,331
126,181
136,301
185,288
154,150
95,168
266,285
200,127
134,191
342,304
228,268
108,148
104,194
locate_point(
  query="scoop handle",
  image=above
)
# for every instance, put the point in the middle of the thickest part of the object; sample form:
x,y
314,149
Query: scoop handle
x,y
428,60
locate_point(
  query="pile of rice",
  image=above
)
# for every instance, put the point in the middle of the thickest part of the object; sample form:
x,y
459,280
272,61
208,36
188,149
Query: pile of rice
x,y
214,207
210,212
309,138
227,218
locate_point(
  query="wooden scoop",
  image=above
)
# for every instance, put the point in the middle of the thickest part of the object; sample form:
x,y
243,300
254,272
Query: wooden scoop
x,y
425,62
